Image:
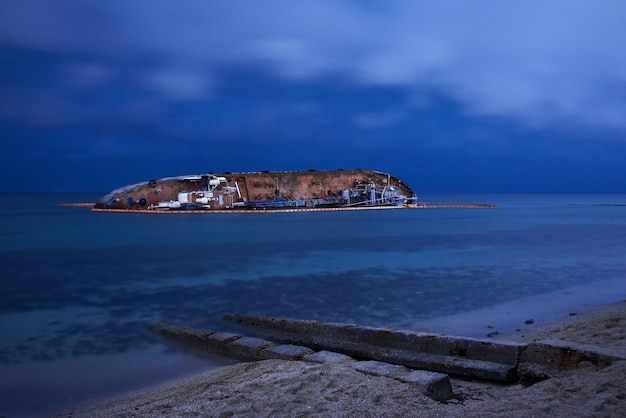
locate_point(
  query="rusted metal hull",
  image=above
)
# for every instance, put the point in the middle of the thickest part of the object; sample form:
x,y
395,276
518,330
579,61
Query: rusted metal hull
x,y
267,190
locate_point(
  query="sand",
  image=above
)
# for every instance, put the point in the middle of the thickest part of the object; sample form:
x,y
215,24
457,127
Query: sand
x,y
275,388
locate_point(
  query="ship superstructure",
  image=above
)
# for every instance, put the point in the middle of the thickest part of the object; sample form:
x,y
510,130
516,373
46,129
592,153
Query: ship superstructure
x,y
264,190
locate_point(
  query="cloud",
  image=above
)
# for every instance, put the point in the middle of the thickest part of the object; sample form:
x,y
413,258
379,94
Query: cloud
x,y
89,74
377,120
292,58
178,84
535,61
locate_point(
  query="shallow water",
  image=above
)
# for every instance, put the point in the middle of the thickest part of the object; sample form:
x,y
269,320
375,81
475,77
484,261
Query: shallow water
x,y
84,287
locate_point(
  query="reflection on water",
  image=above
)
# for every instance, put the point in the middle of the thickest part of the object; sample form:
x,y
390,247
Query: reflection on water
x,y
66,383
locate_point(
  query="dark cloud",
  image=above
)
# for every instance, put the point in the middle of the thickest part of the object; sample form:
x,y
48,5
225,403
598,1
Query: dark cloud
x,y
527,95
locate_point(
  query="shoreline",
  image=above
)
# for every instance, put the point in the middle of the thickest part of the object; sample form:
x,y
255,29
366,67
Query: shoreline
x,y
513,316
288,388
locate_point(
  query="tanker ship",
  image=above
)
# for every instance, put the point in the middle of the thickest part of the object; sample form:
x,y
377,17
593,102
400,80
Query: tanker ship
x,y
265,190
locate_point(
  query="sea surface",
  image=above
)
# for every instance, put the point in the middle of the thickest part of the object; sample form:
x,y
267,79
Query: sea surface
x,y
80,289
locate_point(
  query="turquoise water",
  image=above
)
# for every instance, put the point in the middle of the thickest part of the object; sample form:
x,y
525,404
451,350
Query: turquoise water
x,y
81,288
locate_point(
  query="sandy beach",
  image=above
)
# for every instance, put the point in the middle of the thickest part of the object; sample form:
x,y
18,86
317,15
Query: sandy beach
x,y
275,388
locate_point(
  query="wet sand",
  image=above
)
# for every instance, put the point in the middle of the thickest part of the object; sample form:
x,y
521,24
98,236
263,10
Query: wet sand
x,y
275,388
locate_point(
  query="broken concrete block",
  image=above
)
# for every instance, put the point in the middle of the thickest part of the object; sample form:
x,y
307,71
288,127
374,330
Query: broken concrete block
x,y
216,342
286,352
379,368
543,359
201,339
182,332
443,364
247,348
432,384
504,352
470,357
327,357
223,337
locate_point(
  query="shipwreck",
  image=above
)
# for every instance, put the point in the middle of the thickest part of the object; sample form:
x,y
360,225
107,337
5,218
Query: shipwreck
x,y
264,190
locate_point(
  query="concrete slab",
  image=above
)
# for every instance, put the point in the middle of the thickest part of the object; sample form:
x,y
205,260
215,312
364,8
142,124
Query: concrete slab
x,y
379,368
247,348
286,352
544,359
325,356
471,357
434,385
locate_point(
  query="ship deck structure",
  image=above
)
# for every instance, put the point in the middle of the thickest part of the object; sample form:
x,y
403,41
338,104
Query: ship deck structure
x,y
265,190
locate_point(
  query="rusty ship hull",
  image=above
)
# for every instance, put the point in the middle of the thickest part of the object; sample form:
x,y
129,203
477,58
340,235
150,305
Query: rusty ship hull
x,y
265,190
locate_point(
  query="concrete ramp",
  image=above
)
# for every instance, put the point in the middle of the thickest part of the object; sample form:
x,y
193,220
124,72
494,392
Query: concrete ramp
x,y
488,359
419,358
434,385
468,357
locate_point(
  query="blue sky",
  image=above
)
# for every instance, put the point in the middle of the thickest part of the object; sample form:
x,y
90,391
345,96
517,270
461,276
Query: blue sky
x,y
454,97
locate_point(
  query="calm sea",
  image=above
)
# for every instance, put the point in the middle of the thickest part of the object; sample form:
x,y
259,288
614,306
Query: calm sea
x,y
80,289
